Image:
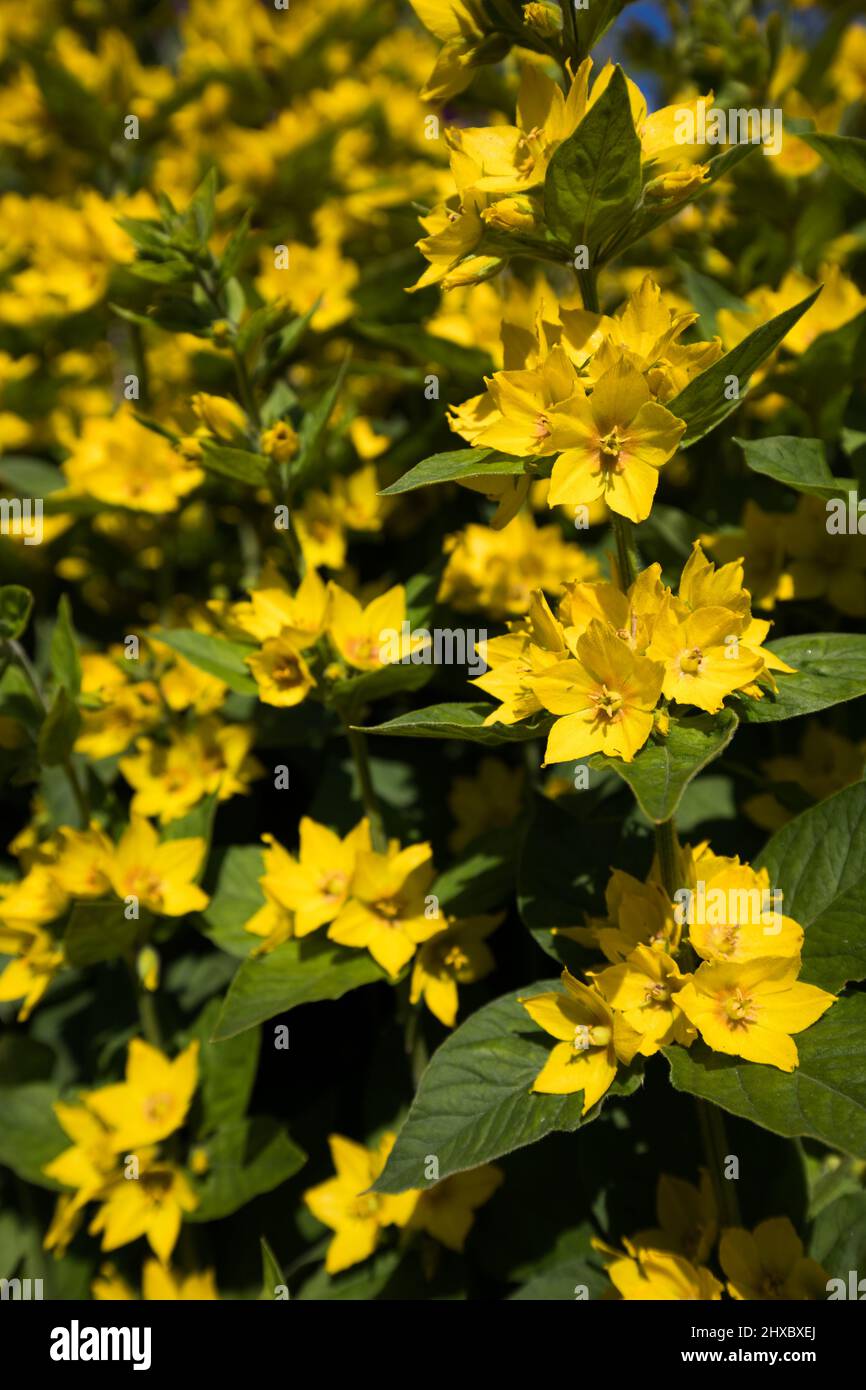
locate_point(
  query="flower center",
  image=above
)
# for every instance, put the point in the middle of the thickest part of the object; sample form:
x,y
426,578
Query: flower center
x,y
587,1036
690,661
610,447
157,1107
608,704
541,428
739,1010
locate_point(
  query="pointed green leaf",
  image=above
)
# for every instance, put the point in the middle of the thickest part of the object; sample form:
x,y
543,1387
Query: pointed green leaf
x,y
706,401
216,655
844,154
661,771
65,661
593,181
245,1159
298,972
451,467
240,465
823,1098
475,1101
461,722
16,605
818,861
798,463
830,668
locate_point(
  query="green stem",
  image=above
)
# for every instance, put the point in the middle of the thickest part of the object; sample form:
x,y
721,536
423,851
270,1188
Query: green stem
x,y
666,848
623,535
245,389
712,1127
358,747
589,289
147,1011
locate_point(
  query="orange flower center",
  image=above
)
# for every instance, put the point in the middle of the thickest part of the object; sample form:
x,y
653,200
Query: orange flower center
x,y
157,1107
608,704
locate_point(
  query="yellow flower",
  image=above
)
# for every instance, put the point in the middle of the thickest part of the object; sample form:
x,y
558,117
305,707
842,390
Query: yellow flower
x,y
170,779
160,1283
312,274
280,442
371,637
28,977
91,1160
644,990
614,442
81,865
153,1100
769,1264
447,1210
605,698
524,402
273,611
387,909
455,956
736,918
687,1216
661,1277
499,570
128,710
221,416
280,672
826,762
460,25
750,1010
152,1205
702,657
160,876
584,1058
119,461
345,1203
315,886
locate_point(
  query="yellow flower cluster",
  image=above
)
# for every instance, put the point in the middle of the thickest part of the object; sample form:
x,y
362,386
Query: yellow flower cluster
x,y
670,1263
115,1157
375,901
75,865
730,978
604,662
357,1216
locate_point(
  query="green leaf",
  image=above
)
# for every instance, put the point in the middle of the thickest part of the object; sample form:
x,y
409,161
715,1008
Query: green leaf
x,y
30,477
357,690
475,1101
818,861
798,463
245,1159
661,771
234,249
273,1278
450,467
227,1072
30,1135
461,721
16,605
824,1098
830,668
59,730
839,1239
845,155
235,899
238,464
313,427
482,877
703,404
201,210
362,1283
593,181
216,655
65,661
98,931
592,21
298,972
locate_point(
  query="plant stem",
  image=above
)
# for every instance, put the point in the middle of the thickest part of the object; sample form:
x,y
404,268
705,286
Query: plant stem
x,y
712,1127
589,289
666,848
245,389
147,1014
622,530
358,747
